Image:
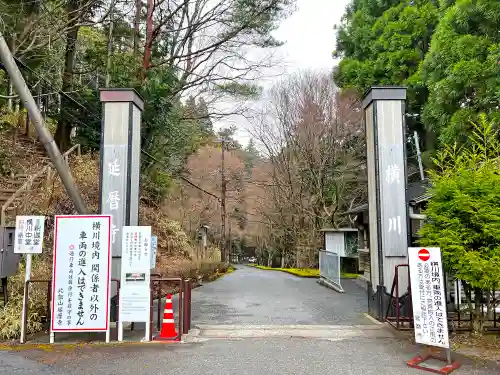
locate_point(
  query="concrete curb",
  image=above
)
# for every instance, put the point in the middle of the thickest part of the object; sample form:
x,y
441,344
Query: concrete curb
x,y
239,332
285,271
372,319
328,284
311,327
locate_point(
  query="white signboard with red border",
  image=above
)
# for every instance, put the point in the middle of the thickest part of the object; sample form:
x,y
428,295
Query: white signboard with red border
x,y
428,296
81,274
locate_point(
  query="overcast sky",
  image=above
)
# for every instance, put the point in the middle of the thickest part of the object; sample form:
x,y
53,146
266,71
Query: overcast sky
x,y
309,38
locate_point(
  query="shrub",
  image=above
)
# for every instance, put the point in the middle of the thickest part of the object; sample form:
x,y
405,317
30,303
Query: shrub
x,y
10,315
464,215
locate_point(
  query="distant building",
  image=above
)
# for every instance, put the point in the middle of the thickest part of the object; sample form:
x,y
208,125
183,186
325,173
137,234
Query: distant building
x,y
417,197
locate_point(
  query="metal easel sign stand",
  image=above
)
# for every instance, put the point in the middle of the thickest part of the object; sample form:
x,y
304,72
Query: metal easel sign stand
x,y
429,309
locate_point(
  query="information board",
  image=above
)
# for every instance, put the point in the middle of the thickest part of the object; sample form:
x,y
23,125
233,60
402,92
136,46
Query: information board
x,y
428,296
81,273
135,297
29,234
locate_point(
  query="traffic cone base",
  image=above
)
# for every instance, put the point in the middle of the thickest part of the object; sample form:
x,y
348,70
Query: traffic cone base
x,y
168,332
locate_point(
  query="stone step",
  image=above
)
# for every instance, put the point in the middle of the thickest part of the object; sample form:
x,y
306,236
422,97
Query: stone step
x,y
5,191
29,147
4,198
33,153
7,181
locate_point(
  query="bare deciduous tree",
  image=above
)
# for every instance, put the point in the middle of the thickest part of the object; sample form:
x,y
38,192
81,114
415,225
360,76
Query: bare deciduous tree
x,y
210,43
313,139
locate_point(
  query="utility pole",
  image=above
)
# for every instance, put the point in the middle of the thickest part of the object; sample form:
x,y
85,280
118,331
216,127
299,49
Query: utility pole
x,y
230,250
419,155
43,134
223,205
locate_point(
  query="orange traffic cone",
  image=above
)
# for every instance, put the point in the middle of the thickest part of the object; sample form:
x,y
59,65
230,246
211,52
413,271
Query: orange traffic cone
x,y
168,332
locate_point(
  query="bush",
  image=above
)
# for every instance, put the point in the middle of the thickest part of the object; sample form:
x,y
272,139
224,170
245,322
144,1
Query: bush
x,y
464,215
156,185
6,167
301,272
10,315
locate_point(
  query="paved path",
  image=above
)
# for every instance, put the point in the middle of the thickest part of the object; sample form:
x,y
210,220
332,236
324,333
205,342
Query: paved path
x,y
261,306
253,296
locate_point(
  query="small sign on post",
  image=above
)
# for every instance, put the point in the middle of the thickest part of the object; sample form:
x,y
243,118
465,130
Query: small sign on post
x,y
154,247
28,240
429,306
135,293
29,234
81,274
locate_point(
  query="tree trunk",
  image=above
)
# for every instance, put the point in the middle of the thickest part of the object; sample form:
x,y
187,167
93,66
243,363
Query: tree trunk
x,y
63,131
137,25
149,35
109,52
477,315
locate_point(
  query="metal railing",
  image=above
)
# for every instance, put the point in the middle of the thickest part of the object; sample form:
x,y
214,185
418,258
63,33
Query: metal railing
x,y
48,309
399,310
184,305
329,269
28,184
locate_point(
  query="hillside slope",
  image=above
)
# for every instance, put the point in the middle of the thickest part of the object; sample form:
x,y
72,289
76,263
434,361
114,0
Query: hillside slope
x,y
22,158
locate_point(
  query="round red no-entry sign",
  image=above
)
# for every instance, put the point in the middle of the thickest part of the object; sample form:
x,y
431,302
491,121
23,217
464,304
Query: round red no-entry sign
x,y
424,255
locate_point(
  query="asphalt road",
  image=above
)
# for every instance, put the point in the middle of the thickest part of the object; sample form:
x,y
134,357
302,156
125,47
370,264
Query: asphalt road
x,y
354,356
253,296
248,297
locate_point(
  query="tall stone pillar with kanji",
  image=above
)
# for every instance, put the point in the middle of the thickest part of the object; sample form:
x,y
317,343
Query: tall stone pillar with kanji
x,y
384,117
120,165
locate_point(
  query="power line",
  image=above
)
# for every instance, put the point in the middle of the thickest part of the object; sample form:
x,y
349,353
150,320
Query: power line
x,y
86,126
182,177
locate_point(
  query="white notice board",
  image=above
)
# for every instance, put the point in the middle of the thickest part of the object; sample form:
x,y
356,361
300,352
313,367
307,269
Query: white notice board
x,y
135,296
81,273
29,234
428,296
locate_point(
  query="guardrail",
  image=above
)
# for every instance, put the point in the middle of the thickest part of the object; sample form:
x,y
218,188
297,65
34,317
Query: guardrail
x,y
184,305
329,269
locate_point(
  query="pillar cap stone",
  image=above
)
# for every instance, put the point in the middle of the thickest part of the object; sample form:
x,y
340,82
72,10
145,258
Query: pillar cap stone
x,y
124,95
384,93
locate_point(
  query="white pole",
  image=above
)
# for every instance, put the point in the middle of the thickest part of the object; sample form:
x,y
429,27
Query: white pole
x,y
459,293
120,331
419,156
146,337
27,277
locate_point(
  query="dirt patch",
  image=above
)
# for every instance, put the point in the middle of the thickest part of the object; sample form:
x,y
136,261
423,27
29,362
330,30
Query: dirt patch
x,y
485,347
468,347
